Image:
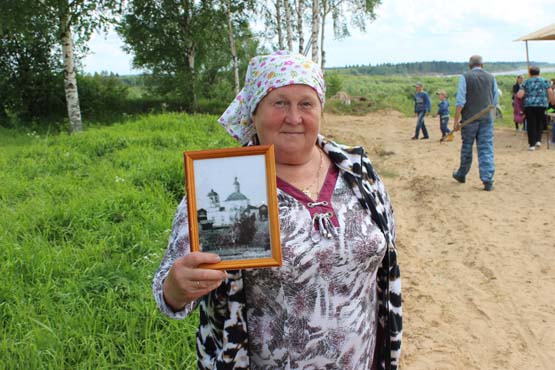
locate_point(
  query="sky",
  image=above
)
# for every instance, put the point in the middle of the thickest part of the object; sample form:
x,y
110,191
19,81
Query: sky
x,y
219,175
409,31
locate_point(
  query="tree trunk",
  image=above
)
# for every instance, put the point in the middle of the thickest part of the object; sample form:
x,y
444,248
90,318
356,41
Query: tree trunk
x,y
278,24
190,47
232,47
315,29
300,10
322,51
191,53
70,79
288,22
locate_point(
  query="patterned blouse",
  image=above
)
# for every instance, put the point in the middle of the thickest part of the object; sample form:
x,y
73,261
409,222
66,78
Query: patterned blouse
x,y
536,92
320,309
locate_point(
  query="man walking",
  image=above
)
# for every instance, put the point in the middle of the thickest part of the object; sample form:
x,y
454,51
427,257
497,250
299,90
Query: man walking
x,y
477,89
422,107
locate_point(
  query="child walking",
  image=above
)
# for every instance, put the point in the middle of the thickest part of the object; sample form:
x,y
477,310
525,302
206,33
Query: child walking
x,y
443,113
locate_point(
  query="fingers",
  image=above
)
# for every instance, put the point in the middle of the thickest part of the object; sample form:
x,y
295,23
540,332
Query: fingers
x,y
191,271
195,259
187,282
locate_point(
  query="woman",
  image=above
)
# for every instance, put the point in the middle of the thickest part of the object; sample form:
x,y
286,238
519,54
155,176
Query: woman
x,y
536,93
336,300
518,107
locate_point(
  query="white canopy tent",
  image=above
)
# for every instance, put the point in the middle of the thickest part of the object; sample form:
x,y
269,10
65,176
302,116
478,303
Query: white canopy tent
x,y
546,33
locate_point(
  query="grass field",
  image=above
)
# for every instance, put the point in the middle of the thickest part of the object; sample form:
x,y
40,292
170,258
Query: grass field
x,y
397,92
84,221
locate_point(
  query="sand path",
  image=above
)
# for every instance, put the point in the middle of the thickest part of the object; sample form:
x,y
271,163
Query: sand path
x,y
477,267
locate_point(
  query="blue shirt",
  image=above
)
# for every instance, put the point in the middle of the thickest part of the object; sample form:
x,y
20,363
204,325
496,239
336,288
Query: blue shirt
x,y
422,102
461,91
443,108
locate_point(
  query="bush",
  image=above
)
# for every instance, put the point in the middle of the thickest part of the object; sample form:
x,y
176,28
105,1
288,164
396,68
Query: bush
x,y
334,84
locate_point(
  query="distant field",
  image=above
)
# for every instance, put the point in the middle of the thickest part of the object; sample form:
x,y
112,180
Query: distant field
x,y
396,92
84,222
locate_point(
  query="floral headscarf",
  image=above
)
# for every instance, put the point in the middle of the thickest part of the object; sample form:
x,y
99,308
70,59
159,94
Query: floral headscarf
x,y
264,74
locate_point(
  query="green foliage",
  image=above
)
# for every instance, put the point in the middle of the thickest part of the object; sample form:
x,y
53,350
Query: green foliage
x,y
28,65
84,221
31,78
185,47
102,94
334,84
430,68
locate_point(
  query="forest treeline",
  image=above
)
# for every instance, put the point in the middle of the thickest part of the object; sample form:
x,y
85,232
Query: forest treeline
x,y
429,68
193,52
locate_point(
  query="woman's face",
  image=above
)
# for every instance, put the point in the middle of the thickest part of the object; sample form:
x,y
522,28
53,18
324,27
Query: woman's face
x,y
289,117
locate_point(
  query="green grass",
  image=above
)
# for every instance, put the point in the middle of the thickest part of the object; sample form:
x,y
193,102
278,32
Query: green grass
x,y
84,221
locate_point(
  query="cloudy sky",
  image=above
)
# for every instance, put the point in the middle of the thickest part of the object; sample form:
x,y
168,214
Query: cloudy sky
x,y
409,31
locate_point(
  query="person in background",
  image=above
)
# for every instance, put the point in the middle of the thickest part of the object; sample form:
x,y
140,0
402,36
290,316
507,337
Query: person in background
x,y
335,303
517,85
537,93
518,107
422,107
518,112
443,113
476,91
551,112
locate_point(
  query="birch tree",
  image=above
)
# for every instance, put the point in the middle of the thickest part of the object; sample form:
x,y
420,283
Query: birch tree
x,y
288,24
279,23
300,33
236,9
80,17
232,49
314,29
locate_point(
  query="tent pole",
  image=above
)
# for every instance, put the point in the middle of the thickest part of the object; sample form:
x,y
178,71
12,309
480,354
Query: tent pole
x,y
527,59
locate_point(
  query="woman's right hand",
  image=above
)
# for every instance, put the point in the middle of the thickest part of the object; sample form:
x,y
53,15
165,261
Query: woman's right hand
x,y
187,282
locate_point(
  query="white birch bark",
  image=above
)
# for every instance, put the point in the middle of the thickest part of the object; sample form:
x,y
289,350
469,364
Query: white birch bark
x,y
191,54
70,78
300,36
232,47
278,24
288,23
315,29
325,11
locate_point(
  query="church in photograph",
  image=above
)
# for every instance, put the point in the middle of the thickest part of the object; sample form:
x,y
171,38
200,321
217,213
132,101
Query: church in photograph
x,y
220,214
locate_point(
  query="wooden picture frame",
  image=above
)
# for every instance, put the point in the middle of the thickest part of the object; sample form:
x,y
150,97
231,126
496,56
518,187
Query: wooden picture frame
x,y
242,229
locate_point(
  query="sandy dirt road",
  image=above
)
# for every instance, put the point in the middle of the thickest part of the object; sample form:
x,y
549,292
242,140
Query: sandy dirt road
x,y
478,268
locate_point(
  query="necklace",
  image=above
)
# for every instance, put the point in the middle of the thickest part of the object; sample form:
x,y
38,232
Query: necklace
x,y
314,185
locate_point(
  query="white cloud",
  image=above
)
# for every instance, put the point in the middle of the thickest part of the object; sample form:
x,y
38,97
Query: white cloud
x,y
106,54
408,31
411,30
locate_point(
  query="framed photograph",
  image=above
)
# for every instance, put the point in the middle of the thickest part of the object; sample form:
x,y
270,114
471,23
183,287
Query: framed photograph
x,y
232,204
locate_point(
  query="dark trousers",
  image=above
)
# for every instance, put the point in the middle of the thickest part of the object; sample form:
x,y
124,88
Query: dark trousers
x,y
535,118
